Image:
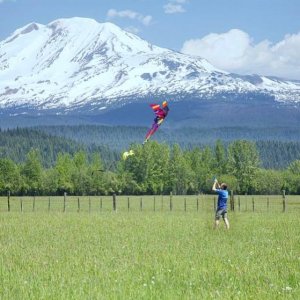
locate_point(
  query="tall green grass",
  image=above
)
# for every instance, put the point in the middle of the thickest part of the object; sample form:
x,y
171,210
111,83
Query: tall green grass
x,y
149,255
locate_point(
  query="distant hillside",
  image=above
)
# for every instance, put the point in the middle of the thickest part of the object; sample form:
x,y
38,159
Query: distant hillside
x,y
191,113
278,147
16,143
110,141
120,137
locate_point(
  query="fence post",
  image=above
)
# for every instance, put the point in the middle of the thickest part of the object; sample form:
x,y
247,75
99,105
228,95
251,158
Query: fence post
x,y
78,204
8,200
49,203
128,203
141,204
171,204
154,203
197,203
239,202
283,201
114,203
33,203
214,203
268,203
65,195
253,204
232,200
185,204
21,203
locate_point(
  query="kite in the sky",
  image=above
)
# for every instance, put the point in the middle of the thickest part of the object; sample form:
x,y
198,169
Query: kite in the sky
x,y
161,114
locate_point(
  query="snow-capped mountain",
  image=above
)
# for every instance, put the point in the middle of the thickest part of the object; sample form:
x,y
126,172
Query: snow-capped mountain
x,y
78,62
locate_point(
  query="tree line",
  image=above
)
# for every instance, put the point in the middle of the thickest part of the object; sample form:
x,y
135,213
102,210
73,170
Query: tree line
x,y
16,143
110,141
153,169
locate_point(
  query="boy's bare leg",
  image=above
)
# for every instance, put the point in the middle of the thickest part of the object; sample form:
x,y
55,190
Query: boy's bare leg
x,y
226,223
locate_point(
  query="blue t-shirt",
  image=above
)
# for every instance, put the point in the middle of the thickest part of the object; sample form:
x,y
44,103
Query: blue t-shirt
x,y
222,199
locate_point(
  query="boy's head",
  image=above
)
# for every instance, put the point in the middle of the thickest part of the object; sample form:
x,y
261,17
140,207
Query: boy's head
x,y
164,104
224,186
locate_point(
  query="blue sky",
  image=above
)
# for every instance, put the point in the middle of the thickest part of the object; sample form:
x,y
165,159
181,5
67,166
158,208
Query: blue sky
x,y
229,33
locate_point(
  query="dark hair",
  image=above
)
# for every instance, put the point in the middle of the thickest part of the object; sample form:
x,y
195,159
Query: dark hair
x,y
224,186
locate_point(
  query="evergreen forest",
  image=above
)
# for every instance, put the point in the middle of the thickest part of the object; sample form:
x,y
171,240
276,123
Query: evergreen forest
x,y
33,161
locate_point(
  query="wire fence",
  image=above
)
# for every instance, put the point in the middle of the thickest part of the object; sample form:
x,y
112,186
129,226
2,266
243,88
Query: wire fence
x,y
165,203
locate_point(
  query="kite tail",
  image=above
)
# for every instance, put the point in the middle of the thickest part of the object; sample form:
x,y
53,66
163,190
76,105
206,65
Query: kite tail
x,y
152,130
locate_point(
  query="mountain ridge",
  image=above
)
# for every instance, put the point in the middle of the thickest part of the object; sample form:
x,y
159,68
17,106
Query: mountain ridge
x,y
79,65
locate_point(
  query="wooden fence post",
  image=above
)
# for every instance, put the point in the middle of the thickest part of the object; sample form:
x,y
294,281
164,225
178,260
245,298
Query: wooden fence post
x,y
253,204
21,204
114,202
197,203
49,204
283,201
185,204
239,202
141,204
154,203
171,204
8,200
33,203
65,195
232,200
78,204
128,203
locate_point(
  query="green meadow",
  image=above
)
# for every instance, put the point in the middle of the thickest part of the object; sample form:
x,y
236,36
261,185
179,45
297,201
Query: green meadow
x,y
148,251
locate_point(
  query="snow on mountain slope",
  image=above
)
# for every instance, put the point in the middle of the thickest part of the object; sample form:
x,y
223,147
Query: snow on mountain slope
x,y
75,62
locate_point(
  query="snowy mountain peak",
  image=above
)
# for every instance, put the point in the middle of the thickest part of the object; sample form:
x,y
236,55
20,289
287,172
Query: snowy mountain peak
x,y
77,62
73,22
30,27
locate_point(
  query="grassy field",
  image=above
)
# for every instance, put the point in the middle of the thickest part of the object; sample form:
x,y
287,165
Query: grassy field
x,y
147,255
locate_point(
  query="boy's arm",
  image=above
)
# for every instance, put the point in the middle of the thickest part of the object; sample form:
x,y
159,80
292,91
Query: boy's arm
x,y
215,185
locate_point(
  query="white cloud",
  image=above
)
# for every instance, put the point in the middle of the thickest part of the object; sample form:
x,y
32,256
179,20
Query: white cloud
x,y
145,20
1,1
235,51
174,6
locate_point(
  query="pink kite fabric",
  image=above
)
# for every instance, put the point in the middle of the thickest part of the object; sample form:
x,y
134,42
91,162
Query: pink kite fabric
x,y
161,114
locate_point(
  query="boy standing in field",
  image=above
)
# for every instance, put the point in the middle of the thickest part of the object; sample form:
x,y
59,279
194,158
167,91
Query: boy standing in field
x,y
222,192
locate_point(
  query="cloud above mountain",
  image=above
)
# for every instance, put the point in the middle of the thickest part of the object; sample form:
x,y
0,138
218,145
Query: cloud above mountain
x,y
235,51
175,6
130,14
